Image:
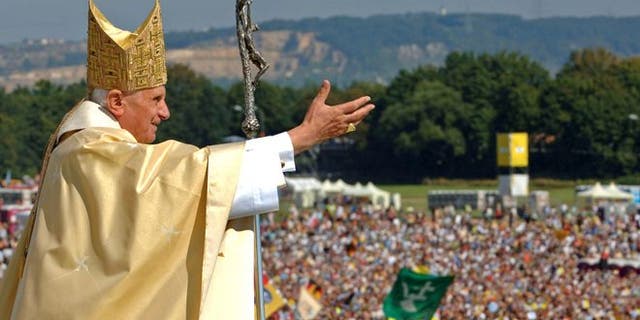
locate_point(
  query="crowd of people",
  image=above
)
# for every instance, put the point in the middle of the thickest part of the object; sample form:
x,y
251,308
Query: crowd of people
x,y
504,268
11,212
8,241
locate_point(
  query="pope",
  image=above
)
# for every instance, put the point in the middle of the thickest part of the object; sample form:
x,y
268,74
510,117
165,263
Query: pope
x,y
127,229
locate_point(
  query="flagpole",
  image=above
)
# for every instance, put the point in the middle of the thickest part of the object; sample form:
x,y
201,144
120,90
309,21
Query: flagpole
x,y
250,125
258,267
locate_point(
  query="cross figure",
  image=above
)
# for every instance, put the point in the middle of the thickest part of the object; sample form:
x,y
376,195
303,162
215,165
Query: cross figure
x,y
408,303
169,232
81,265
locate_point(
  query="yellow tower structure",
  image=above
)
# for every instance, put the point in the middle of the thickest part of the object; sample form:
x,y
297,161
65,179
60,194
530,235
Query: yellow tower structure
x,y
513,163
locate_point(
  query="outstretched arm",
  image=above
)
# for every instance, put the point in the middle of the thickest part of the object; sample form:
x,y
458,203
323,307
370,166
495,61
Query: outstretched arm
x,y
323,122
262,169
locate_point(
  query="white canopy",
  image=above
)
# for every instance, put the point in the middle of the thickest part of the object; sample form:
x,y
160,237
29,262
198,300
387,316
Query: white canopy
x,y
611,192
305,190
333,187
379,197
617,193
597,191
303,184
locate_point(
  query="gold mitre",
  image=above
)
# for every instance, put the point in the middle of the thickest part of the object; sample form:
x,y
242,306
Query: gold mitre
x,y
119,59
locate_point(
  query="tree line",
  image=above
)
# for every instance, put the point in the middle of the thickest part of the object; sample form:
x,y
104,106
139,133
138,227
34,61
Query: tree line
x,y
432,121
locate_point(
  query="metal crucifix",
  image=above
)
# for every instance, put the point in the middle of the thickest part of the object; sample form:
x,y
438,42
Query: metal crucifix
x,y
250,125
249,55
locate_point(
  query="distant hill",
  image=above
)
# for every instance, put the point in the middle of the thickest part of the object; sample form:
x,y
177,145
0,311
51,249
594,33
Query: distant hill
x,y
345,49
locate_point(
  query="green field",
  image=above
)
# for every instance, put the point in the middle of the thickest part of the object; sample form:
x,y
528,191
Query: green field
x,y
416,195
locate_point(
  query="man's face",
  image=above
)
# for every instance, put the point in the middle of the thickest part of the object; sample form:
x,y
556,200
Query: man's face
x,y
143,112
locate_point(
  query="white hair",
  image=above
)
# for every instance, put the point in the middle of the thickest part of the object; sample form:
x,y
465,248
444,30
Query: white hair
x,y
99,96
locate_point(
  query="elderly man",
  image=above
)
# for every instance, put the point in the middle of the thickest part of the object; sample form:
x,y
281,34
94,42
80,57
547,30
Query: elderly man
x,y
126,229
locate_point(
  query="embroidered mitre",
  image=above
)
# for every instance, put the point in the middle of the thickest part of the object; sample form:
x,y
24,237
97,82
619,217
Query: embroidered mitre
x,y
128,61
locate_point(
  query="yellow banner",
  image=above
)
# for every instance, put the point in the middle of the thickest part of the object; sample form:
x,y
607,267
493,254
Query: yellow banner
x,y
272,300
513,149
519,149
503,150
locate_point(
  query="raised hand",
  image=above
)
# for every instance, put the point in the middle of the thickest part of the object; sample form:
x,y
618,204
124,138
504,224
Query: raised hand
x,y
323,122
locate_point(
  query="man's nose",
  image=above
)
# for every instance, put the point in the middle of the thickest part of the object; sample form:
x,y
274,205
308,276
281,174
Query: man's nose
x,y
164,112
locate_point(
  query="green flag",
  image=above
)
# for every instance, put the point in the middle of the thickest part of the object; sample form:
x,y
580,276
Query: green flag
x,y
415,295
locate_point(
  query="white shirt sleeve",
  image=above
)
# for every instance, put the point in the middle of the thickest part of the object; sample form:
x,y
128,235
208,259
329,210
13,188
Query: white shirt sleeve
x,y
261,173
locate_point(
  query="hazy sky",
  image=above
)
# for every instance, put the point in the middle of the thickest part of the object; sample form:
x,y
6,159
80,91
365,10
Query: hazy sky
x,y
66,19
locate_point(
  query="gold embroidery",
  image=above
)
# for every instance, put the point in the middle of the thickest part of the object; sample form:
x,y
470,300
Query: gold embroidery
x,y
128,61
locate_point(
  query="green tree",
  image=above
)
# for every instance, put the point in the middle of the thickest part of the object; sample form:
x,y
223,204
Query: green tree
x,y
427,130
504,91
200,113
376,92
591,110
9,156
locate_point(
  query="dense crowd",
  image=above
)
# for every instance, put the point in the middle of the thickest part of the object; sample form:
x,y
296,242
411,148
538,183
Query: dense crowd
x,y
509,268
11,212
8,241
512,267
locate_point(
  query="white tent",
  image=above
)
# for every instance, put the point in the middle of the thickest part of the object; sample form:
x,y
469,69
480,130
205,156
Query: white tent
x,y
611,192
329,187
303,184
595,192
356,190
616,193
396,200
305,191
378,197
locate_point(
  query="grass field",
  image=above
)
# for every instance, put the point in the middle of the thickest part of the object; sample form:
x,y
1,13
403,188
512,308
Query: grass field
x,y
416,195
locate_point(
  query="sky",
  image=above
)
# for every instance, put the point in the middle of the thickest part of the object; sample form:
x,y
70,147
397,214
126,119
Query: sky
x,y
66,19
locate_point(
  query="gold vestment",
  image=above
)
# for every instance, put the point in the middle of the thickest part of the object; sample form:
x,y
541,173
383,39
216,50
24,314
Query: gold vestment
x,y
134,231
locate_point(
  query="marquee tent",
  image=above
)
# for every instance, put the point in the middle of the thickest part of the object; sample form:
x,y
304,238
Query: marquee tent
x,y
617,193
594,192
307,191
599,193
329,187
379,198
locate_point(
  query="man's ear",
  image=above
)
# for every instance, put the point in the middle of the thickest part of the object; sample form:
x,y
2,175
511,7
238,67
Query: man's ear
x,y
114,102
